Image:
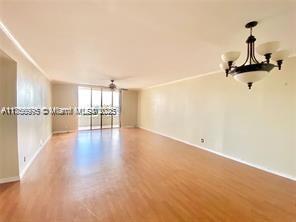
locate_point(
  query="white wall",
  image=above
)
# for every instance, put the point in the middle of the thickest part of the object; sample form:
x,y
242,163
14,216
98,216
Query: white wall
x,y
33,89
256,126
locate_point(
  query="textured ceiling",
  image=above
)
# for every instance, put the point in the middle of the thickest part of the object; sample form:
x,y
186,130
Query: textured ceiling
x,y
141,43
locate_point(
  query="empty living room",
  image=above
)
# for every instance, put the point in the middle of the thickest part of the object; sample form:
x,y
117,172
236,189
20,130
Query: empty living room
x,y
147,110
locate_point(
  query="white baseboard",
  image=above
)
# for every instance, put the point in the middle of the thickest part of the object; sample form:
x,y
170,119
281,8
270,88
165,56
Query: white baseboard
x,y
34,157
9,179
129,126
63,131
223,155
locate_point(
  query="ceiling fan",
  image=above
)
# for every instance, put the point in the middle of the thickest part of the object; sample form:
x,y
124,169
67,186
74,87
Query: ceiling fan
x,y
112,86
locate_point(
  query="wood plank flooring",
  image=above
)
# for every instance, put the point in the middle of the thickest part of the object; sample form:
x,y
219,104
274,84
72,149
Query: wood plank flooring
x,y
131,175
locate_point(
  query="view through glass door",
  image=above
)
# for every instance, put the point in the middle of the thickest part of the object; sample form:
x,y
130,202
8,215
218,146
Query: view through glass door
x,y
96,103
102,108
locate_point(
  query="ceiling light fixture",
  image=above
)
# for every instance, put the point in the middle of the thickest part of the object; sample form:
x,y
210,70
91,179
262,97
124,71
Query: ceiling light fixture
x,y
112,85
252,70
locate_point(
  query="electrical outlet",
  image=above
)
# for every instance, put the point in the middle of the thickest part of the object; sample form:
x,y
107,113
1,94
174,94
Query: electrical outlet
x,y
202,140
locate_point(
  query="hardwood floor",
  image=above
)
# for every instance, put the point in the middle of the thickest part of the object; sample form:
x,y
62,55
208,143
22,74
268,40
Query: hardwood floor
x,y
131,175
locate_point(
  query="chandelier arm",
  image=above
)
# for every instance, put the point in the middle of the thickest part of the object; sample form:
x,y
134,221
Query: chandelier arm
x,y
248,54
253,54
255,60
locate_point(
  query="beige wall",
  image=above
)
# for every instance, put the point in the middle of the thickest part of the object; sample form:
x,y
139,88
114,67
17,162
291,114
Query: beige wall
x,y
294,118
129,109
256,126
33,89
64,95
8,124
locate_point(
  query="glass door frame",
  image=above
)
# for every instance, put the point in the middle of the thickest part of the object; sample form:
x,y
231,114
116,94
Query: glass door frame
x,y
101,89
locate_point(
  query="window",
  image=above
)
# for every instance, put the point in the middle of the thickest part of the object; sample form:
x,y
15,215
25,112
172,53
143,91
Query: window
x,y
94,98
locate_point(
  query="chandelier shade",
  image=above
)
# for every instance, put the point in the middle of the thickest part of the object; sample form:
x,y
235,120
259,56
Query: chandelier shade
x,y
252,70
280,55
224,65
230,56
250,77
268,48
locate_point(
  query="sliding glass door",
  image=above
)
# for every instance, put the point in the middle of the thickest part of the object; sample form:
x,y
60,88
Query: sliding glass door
x,y
84,102
107,106
116,106
96,104
104,104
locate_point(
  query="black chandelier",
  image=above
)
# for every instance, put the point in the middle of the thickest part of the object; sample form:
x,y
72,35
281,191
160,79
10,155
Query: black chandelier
x,y
252,70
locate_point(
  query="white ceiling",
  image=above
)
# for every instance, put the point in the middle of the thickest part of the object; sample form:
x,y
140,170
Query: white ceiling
x,y
141,42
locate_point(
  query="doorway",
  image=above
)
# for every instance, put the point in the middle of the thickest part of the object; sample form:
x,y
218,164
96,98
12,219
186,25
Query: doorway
x,y
101,108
